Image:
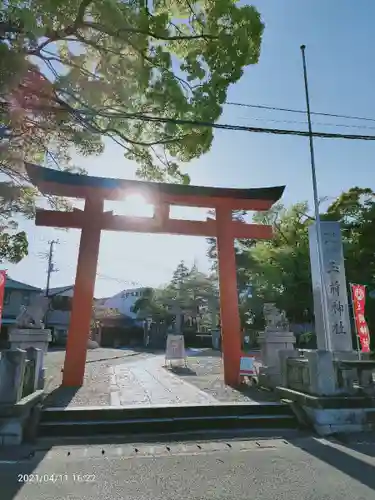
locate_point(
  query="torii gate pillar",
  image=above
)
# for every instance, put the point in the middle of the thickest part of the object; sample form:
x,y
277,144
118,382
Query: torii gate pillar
x,y
229,313
81,314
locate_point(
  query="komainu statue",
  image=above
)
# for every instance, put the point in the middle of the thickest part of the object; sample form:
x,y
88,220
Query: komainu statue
x,y
32,316
275,320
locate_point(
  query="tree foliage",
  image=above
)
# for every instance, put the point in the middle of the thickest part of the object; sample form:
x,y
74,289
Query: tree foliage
x,y
89,67
152,304
196,293
73,72
190,293
14,201
279,270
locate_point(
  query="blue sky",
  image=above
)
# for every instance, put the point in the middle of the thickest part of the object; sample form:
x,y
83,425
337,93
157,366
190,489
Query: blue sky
x,y
340,38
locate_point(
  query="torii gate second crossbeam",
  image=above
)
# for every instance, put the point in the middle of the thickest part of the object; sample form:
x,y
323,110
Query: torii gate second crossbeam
x,y
93,219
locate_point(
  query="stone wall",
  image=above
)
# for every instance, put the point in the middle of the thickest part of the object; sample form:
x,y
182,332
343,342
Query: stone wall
x,y
21,373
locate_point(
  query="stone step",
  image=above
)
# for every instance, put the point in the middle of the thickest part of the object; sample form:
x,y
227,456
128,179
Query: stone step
x,y
79,413
171,419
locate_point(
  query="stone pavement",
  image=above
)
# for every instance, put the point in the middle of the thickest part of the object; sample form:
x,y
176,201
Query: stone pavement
x,y
206,373
147,382
127,378
299,468
95,390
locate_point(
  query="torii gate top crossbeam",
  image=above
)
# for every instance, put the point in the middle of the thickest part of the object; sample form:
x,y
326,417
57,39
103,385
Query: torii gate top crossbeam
x,y
66,184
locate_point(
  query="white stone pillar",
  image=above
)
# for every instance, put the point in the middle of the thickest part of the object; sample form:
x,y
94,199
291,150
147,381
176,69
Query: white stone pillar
x,y
331,310
271,342
22,338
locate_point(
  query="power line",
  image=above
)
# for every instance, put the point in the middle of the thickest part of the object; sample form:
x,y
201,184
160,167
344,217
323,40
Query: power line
x,y
45,255
110,278
225,126
299,111
98,275
321,124
118,280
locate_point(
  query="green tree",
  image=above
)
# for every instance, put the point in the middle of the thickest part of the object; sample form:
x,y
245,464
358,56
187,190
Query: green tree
x,y
198,296
98,66
178,279
279,270
153,304
202,295
14,201
355,210
190,293
73,72
241,248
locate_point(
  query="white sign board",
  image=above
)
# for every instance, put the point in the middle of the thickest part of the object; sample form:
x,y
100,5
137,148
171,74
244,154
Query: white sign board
x,y
175,348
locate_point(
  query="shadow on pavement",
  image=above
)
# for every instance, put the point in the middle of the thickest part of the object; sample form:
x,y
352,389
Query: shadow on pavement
x,y
345,462
362,443
181,370
204,352
257,394
120,356
100,356
22,460
62,395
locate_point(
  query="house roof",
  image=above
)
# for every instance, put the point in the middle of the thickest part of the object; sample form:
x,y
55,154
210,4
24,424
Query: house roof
x,y
19,285
66,290
101,301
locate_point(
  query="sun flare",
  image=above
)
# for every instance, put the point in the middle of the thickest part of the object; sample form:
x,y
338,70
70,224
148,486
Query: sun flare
x,y
135,201
136,205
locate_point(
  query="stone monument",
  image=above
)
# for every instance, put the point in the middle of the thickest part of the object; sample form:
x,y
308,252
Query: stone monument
x,y
332,319
31,317
330,388
331,311
276,337
30,331
275,320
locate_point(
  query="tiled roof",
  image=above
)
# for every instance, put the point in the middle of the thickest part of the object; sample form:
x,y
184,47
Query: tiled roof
x,y
18,285
61,290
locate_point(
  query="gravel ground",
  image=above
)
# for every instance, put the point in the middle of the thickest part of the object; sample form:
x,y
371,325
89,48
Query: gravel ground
x,y
206,372
95,389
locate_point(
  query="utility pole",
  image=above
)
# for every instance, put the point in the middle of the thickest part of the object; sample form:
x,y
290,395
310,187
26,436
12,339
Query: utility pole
x,y
51,266
316,204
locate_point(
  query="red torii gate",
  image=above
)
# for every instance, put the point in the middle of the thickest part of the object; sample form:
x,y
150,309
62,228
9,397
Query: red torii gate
x,y
92,220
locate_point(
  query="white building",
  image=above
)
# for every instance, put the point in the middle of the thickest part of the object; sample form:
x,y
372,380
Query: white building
x,y
58,316
123,301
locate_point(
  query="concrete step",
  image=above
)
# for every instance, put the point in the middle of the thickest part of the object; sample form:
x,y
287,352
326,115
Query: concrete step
x,y
83,413
163,419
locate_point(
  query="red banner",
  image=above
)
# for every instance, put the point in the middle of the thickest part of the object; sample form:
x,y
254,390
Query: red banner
x,y
359,302
3,277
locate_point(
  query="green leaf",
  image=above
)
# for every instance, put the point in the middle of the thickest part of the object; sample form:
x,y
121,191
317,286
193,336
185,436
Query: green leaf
x,y
127,60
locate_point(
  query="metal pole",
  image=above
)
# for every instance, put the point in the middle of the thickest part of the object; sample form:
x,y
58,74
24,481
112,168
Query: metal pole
x,y
50,270
316,205
50,266
358,343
